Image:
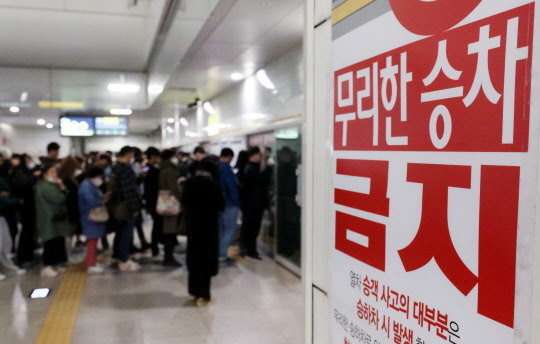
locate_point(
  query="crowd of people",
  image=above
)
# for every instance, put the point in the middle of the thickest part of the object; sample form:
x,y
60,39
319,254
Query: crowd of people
x,y
53,205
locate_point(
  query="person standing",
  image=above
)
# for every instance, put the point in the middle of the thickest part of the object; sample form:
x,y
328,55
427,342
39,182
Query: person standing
x,y
91,197
151,191
168,181
202,200
126,206
229,216
254,200
53,150
24,178
67,172
52,219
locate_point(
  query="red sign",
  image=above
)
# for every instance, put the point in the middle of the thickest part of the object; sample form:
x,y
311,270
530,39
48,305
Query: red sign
x,y
464,90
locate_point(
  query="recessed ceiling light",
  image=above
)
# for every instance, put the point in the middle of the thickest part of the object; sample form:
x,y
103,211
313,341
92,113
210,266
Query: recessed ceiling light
x,y
236,76
24,96
125,112
124,88
14,109
170,120
41,121
184,122
49,126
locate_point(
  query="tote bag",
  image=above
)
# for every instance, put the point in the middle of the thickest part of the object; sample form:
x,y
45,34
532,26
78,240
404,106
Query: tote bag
x,y
167,204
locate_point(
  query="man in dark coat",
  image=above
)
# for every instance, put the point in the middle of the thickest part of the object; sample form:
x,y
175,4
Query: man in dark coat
x,y
254,199
202,200
151,191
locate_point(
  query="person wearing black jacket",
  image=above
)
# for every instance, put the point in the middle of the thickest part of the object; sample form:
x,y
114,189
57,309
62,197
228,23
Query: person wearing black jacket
x,y
254,199
23,180
151,191
202,200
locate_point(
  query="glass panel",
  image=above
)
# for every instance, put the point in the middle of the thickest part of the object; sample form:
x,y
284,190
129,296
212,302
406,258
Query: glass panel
x,y
288,181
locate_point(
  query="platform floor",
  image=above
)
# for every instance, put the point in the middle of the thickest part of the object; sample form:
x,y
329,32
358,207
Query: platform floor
x,y
254,303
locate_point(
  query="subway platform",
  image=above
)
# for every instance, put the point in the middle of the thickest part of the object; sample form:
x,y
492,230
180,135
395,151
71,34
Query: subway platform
x,y
254,302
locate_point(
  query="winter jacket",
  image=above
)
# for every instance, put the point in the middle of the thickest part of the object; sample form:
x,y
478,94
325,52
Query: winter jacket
x,y
50,201
168,181
202,200
151,189
229,185
7,204
254,187
126,189
90,197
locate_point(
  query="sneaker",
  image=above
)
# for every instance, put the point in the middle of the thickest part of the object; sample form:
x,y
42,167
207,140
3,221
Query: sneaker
x,y
48,271
202,302
129,266
172,263
96,269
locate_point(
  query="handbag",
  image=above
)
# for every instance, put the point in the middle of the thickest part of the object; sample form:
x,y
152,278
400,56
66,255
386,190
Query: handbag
x,y
167,204
99,214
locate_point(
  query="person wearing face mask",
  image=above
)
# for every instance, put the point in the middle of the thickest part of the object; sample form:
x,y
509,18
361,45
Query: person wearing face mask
x,y
52,220
151,191
91,197
168,181
126,204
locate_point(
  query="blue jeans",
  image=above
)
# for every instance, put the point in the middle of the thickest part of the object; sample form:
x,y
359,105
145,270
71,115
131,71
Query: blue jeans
x,y
123,239
227,228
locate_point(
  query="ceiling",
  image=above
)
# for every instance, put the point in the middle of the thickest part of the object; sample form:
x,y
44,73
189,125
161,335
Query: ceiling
x,y
78,34
240,37
74,48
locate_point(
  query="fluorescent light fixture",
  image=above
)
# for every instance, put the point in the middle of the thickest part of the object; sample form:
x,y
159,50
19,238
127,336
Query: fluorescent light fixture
x,y
49,126
24,97
209,108
191,134
171,120
254,116
265,80
14,109
41,121
170,130
184,122
237,76
125,112
155,89
123,88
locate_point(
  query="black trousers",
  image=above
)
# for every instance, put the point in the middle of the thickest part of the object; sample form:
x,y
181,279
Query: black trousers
x,y
11,219
251,227
199,284
27,243
157,230
169,240
54,251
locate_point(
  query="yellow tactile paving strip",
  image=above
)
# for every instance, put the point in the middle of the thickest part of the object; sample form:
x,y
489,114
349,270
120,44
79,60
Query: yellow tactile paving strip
x,y
347,8
62,316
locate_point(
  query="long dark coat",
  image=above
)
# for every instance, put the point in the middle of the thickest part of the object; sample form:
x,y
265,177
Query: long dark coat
x,y
202,200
